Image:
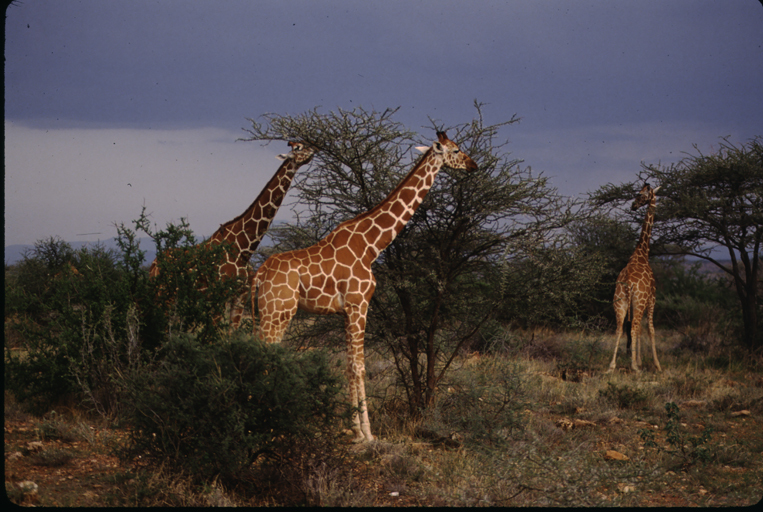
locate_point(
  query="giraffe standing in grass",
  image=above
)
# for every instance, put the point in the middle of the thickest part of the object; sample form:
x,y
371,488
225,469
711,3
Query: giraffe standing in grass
x,y
635,288
245,232
334,276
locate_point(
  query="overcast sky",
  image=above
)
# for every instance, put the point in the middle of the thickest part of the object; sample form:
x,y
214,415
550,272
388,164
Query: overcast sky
x,y
111,105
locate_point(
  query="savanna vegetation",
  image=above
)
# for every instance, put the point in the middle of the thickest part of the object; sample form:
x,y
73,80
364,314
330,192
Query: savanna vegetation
x,y
486,345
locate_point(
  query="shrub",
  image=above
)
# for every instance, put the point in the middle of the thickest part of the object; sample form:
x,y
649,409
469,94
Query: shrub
x,y
483,403
624,397
214,409
700,307
84,317
689,449
52,300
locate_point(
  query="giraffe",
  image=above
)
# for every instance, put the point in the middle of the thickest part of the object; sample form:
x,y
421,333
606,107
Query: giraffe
x,y
245,232
635,288
334,276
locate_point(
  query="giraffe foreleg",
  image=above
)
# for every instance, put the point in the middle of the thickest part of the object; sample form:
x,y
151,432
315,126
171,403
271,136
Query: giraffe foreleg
x,y
355,322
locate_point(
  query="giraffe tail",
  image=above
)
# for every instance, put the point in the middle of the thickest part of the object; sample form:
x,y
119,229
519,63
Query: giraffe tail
x,y
629,319
629,314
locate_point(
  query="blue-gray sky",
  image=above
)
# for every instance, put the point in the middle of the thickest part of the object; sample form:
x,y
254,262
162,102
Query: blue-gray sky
x,y
112,105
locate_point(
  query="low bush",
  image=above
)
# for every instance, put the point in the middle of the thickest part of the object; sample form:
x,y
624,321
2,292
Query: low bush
x,y
688,449
625,397
215,409
482,404
81,318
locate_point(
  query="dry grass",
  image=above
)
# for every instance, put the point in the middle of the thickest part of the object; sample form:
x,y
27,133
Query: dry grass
x,y
545,436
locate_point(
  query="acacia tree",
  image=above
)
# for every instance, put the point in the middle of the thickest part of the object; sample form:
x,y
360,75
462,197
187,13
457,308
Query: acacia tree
x,y
440,279
706,202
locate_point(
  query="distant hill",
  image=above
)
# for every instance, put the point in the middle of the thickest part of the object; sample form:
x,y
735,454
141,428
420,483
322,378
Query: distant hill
x,y
15,253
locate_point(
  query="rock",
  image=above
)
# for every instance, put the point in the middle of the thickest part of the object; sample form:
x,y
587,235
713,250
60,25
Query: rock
x,y
568,424
27,487
614,455
744,412
35,446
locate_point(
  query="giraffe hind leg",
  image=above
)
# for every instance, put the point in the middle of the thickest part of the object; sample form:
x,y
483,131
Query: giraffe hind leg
x,y
650,326
618,335
620,312
275,312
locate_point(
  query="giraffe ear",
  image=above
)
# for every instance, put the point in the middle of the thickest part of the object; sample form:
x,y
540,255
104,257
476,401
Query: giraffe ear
x,y
283,156
654,190
423,149
437,148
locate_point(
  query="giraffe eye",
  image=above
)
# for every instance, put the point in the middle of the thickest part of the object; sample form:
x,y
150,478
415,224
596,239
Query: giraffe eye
x,y
456,151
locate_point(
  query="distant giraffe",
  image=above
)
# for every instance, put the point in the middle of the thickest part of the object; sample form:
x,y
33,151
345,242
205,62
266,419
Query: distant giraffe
x,y
245,232
334,275
635,288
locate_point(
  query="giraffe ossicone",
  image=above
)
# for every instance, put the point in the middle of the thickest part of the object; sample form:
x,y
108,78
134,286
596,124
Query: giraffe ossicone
x,y
334,275
245,232
635,287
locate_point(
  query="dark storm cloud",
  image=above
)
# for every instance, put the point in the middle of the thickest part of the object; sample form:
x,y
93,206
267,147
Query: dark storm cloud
x,y
156,91
183,62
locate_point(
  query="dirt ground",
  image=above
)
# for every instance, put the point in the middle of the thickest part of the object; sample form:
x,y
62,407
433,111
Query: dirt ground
x,y
86,474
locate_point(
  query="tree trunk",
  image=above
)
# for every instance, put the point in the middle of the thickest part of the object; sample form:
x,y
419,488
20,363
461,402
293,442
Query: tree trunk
x,y
431,356
747,290
415,395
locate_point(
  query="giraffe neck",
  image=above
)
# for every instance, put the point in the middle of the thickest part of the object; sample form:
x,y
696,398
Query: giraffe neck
x,y
246,231
391,215
646,231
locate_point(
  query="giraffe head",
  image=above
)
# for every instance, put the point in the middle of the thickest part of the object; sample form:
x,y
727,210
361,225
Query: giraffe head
x,y
451,155
645,196
301,153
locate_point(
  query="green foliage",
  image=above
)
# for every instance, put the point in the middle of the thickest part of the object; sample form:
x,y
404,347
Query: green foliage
x,y
483,403
59,298
613,242
698,305
625,396
689,449
213,409
83,317
188,294
553,286
54,426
